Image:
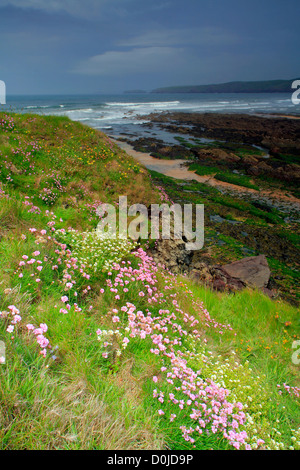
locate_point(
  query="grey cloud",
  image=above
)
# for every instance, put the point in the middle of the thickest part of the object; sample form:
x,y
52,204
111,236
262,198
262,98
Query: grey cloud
x,y
137,60
78,8
170,37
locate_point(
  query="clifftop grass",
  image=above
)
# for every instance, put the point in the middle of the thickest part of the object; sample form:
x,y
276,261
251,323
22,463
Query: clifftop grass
x,y
124,355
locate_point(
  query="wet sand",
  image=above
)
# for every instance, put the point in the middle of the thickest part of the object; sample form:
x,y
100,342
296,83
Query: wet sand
x,y
173,168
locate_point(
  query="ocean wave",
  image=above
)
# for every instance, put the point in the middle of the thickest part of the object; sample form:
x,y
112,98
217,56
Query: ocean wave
x,y
37,107
103,112
150,103
79,110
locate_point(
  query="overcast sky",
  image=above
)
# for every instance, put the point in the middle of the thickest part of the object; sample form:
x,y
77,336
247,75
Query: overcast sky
x,y
108,46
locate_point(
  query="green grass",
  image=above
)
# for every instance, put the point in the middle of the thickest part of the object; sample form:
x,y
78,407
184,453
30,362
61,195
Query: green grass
x,y
203,170
239,180
287,158
223,175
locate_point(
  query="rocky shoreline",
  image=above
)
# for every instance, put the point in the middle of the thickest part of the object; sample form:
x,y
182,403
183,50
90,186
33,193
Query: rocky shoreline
x,y
250,167
276,133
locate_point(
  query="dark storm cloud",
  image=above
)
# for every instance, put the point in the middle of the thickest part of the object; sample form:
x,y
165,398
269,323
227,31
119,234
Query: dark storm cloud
x,y
71,46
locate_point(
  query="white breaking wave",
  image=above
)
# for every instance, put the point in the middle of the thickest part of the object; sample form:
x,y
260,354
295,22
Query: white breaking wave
x,y
150,103
37,107
88,110
114,111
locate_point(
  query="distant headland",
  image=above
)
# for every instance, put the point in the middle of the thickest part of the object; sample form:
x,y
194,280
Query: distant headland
x,y
268,86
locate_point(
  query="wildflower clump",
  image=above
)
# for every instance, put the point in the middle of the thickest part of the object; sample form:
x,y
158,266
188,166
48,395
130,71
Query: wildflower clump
x,y
202,403
13,320
113,342
96,250
7,123
207,397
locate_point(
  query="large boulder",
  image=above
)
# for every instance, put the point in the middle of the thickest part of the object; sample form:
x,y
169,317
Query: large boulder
x,y
215,278
254,271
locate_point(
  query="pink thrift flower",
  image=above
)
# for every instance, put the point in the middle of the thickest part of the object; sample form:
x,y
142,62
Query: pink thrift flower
x,y
13,309
43,342
17,318
38,331
43,327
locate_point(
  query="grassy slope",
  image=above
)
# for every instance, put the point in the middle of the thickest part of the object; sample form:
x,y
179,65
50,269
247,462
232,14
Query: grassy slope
x,y
93,390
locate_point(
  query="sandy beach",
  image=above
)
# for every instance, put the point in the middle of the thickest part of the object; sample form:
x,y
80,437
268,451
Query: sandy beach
x,y
177,169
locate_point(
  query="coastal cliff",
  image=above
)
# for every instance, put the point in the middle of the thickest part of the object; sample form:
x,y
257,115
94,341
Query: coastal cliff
x,y
270,86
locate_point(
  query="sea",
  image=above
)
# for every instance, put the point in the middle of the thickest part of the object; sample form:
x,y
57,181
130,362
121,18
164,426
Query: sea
x,y
128,113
